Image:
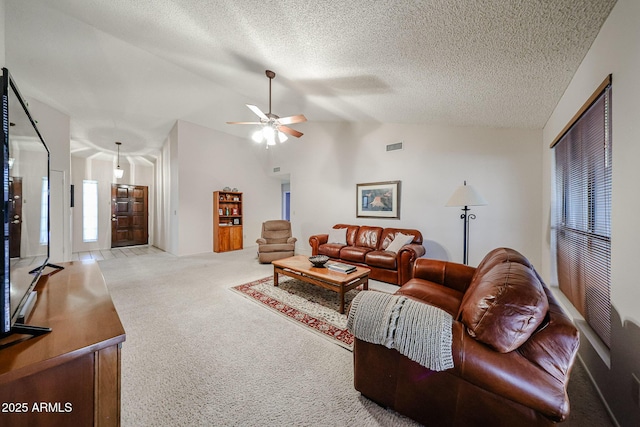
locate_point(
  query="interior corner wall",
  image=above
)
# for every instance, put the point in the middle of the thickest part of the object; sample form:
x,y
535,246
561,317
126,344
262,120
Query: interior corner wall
x,y
502,164
162,191
208,161
166,189
615,51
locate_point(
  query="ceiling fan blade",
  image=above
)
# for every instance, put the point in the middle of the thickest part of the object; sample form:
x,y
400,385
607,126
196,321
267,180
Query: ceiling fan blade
x,y
258,112
290,131
292,119
244,123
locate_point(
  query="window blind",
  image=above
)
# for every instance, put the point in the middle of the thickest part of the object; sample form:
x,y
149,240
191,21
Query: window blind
x,y
583,214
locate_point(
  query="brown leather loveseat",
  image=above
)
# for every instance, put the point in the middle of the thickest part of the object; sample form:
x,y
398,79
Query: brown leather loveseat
x,y
513,349
368,247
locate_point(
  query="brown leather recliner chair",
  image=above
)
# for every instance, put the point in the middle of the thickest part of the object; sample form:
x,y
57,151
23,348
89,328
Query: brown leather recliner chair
x,y
513,349
276,241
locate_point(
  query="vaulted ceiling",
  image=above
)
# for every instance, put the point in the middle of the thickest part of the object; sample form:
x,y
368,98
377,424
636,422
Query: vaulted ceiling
x,y
127,70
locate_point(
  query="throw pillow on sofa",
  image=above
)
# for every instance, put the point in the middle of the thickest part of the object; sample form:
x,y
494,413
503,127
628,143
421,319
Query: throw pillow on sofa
x,y
399,241
338,235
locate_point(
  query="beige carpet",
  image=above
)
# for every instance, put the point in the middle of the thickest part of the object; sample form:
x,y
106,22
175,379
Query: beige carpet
x,y
198,354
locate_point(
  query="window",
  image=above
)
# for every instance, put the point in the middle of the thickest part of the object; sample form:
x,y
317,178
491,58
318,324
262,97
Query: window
x,y
583,211
44,211
89,211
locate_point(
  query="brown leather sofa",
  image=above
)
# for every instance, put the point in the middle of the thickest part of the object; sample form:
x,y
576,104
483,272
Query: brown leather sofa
x,y
513,349
366,246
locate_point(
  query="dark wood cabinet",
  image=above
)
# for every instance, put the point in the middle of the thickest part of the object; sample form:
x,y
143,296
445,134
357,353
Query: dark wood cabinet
x,y
227,221
70,376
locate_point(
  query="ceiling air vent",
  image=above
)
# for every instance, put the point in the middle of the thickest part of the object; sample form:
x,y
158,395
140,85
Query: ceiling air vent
x,y
276,169
394,147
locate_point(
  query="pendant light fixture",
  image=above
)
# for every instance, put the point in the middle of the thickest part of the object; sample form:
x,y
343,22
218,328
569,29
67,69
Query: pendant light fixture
x,y
117,172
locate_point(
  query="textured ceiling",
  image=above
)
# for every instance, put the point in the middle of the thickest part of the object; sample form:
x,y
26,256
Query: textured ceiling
x,y
127,70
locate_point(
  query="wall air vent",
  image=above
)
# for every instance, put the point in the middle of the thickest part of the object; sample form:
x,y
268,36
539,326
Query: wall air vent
x,y
276,169
394,147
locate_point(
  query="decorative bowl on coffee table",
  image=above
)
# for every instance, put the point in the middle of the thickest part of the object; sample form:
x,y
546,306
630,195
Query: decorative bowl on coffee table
x,y
319,260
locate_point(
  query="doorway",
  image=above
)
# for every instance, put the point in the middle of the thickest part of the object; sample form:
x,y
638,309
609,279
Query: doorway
x,y
286,200
129,215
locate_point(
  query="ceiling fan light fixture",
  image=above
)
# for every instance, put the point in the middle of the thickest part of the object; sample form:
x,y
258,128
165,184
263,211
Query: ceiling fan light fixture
x,y
270,135
267,132
273,127
257,136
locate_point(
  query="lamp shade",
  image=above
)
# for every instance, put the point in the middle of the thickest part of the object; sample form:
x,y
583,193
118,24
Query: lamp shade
x,y
466,195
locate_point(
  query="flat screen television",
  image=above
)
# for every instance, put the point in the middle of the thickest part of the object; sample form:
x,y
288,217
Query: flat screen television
x,y
25,210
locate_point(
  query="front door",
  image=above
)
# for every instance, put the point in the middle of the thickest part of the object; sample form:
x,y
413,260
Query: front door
x,y
129,215
15,215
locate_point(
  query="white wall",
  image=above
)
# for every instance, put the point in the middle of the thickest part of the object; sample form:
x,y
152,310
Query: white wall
x,y
503,165
102,171
54,127
615,51
174,214
202,161
162,190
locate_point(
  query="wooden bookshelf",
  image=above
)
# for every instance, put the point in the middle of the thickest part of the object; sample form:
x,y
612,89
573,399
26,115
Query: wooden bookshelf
x,y
227,221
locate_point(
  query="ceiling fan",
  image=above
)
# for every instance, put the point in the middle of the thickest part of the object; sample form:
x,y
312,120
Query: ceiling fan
x,y
273,127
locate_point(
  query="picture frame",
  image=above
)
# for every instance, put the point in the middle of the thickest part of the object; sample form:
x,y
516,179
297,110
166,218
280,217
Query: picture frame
x,y
378,200
236,221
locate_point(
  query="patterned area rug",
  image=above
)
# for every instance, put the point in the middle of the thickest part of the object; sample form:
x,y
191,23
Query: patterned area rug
x,y
308,305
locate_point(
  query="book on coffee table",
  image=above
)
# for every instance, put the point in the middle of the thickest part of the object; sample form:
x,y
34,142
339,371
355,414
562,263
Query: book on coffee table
x,y
341,267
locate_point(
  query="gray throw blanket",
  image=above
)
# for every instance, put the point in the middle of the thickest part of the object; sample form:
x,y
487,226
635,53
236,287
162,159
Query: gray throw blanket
x,y
417,330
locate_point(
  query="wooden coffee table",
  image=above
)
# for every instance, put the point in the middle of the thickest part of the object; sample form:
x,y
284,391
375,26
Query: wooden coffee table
x,y
300,267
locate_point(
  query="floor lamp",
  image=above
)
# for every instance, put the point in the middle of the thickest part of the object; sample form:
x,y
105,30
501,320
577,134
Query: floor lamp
x,y
466,196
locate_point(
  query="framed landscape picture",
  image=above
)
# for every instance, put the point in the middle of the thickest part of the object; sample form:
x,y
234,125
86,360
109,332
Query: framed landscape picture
x,y
378,200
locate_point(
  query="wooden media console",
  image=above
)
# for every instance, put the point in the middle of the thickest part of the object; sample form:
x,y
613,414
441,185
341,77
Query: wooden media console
x,y
70,376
